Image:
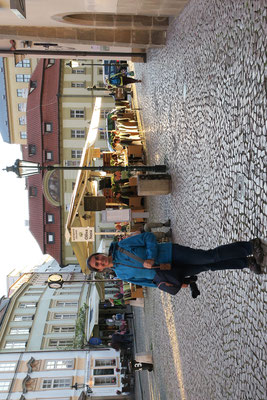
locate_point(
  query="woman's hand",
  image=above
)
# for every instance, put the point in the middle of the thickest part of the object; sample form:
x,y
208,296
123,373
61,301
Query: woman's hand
x,y
148,264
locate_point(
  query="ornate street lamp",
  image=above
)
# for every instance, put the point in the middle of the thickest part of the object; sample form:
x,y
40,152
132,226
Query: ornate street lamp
x,y
27,168
76,64
55,281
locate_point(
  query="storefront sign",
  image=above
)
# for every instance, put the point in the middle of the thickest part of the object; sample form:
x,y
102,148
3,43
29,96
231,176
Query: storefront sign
x,y
85,234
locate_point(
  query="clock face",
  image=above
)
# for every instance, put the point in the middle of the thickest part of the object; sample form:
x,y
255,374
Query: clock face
x,y
55,285
55,278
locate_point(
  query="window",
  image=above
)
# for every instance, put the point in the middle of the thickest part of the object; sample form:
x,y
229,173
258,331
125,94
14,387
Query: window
x,y
23,120
23,134
7,366
67,304
71,163
56,383
59,364
78,71
65,316
63,329
50,62
72,185
105,362
48,127
76,153
4,386
50,236
105,381
78,84
33,191
15,345
105,112
60,342
100,71
32,149
36,289
27,305
104,371
49,155
77,113
19,318
23,77
102,135
19,331
22,107
77,133
24,64
20,92
50,218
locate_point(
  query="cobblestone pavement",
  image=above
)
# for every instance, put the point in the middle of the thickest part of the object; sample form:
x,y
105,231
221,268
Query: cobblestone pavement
x,y
203,100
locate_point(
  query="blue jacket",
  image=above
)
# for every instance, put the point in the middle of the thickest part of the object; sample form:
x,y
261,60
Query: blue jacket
x,y
144,246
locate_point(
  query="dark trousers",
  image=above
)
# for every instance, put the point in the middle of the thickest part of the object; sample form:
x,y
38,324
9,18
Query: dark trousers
x,y
187,261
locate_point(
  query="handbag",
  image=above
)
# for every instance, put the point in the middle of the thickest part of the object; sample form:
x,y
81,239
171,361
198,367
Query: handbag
x,y
163,278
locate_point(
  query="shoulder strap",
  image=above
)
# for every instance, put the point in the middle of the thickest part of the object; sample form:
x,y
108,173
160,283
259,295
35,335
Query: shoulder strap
x,y
131,255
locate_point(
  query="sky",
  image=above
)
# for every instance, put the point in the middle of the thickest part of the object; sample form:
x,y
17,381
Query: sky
x,y
18,247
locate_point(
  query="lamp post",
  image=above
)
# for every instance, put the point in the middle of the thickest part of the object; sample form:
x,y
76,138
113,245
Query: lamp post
x,y
27,168
56,281
76,64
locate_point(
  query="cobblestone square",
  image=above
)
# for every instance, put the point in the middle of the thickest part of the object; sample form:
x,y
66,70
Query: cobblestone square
x,y
203,100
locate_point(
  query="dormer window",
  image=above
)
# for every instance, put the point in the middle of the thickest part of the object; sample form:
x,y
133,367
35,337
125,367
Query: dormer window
x,y
48,127
49,155
50,236
33,191
32,149
50,62
33,85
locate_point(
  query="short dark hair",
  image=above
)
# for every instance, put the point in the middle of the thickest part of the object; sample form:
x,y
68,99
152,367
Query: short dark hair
x,y
88,262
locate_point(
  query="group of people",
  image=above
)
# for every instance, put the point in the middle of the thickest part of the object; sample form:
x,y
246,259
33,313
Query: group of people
x,y
141,260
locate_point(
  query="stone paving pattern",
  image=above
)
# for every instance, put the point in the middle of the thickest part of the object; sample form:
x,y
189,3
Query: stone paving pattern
x,y
203,100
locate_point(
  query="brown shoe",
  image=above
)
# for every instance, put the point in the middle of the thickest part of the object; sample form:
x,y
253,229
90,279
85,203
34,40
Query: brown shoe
x,y
253,266
257,250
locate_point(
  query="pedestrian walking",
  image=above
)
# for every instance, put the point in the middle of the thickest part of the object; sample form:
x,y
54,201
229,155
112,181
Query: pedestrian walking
x,y
141,260
159,234
120,79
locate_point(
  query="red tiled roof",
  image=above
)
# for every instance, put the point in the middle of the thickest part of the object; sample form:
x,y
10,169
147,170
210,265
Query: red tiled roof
x,y
42,106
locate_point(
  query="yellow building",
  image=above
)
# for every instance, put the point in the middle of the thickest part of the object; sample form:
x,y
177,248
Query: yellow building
x,y
17,77
77,105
